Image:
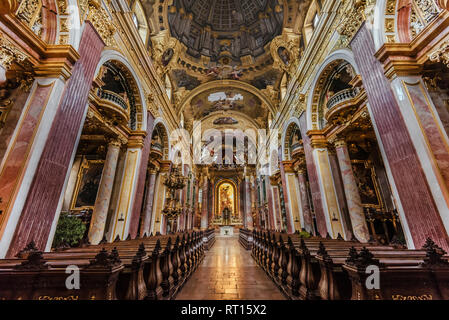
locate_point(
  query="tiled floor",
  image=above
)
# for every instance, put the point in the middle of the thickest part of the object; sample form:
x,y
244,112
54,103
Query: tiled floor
x,y
228,272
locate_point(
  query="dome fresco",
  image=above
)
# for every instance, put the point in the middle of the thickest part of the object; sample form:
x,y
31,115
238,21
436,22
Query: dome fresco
x,y
225,30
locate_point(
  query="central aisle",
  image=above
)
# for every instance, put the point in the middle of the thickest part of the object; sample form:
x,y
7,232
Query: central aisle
x,y
228,272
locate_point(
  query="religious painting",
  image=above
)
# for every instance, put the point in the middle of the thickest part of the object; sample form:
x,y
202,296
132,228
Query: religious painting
x,y
167,56
87,185
225,121
365,177
226,199
296,139
284,55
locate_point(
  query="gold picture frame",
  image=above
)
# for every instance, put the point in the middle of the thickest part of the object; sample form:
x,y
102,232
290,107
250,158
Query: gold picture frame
x,y
87,184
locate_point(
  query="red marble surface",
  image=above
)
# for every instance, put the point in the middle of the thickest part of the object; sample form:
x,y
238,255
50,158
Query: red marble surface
x,y
15,164
277,209
403,20
419,207
313,179
338,182
271,212
290,227
436,141
19,97
42,201
49,21
138,199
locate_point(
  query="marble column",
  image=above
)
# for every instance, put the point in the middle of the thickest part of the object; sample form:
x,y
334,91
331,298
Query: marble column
x,y
248,209
305,206
204,208
147,217
409,163
39,213
358,220
326,182
102,202
127,195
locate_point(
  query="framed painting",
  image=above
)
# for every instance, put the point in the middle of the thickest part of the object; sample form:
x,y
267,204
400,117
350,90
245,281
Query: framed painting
x,y
87,184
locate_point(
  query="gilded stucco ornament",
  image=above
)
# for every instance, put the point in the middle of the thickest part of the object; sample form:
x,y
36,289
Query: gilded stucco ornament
x,y
166,50
441,54
152,103
93,11
9,53
284,50
362,10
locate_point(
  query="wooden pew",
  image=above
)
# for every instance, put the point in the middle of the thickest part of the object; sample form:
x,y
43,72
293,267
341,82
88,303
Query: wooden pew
x,y
318,268
146,268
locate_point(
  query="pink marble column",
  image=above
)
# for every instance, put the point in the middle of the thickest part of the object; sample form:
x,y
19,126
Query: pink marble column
x,y
138,200
148,213
248,210
417,202
358,220
305,206
103,200
204,208
40,207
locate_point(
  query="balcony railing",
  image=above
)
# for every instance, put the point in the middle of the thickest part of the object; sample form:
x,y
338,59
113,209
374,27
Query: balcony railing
x,y
113,97
341,96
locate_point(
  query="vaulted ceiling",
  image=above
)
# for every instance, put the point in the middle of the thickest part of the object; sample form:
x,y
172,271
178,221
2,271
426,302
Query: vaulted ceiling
x,y
225,30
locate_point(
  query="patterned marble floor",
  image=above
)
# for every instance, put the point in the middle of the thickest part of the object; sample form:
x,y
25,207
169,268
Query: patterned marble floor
x,y
228,272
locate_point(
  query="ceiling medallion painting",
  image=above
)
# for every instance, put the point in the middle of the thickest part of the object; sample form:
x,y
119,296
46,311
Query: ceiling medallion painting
x,y
225,32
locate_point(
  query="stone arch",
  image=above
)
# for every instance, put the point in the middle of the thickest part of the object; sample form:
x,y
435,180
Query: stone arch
x,y
161,128
230,84
313,110
287,132
138,109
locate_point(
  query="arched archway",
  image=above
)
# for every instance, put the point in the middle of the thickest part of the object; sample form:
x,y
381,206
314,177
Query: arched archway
x,y
160,141
120,66
337,60
290,129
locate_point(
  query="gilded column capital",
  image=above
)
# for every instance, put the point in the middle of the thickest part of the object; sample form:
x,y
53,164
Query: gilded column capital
x,y
137,140
340,142
114,142
9,53
317,139
442,53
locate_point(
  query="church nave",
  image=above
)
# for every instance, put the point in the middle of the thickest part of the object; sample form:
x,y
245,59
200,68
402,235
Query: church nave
x,y
228,272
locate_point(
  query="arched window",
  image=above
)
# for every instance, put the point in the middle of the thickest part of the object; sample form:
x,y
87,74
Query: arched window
x,y
168,87
140,21
284,83
311,21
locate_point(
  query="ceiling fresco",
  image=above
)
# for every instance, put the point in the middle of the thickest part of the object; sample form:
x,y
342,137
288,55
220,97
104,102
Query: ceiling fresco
x,y
227,104
225,30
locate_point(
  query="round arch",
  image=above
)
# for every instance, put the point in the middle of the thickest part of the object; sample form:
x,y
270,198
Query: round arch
x,y
141,106
160,123
235,84
331,61
287,131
